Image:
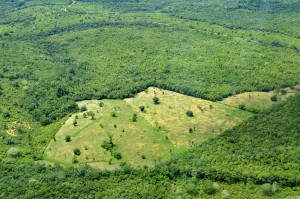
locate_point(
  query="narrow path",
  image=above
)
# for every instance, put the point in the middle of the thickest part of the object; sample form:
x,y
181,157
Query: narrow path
x,y
73,2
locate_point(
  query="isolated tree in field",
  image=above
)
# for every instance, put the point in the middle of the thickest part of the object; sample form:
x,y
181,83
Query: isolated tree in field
x,y
274,98
190,130
242,107
134,117
101,104
83,108
113,114
189,113
156,100
92,114
118,156
77,151
142,109
75,123
68,138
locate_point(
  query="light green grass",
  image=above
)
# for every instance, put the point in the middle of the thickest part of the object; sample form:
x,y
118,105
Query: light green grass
x,y
258,100
158,133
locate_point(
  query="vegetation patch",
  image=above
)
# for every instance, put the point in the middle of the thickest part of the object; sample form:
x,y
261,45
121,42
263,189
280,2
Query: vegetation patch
x,y
138,131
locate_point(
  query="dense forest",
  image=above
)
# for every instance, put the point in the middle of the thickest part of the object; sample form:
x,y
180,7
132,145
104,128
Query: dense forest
x,y
54,53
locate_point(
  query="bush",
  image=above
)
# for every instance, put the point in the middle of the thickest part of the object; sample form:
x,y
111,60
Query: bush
x,y
156,100
113,114
134,117
242,107
142,109
13,152
189,113
68,138
118,156
83,108
101,104
76,151
274,98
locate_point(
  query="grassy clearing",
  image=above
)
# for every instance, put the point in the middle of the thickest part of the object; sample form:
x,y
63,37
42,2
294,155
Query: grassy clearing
x,y
255,101
160,131
170,116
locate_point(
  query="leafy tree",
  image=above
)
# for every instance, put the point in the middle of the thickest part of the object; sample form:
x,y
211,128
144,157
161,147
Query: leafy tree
x,y
75,123
142,109
274,98
77,151
134,117
190,130
101,104
156,100
92,114
118,156
68,138
242,107
113,114
83,108
189,113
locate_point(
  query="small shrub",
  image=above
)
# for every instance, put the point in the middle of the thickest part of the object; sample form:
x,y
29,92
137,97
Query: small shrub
x,y
76,151
83,108
85,115
242,107
101,104
118,156
74,123
190,130
274,98
68,138
142,109
113,114
143,157
283,92
134,117
189,113
156,100
74,159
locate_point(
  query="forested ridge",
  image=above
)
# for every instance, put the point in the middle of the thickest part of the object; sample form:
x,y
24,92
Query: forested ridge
x,y
54,53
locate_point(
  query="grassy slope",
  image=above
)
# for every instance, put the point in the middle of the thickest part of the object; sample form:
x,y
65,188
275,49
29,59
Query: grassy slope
x,y
159,132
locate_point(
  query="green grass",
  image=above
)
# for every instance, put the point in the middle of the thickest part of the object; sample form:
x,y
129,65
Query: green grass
x,y
159,132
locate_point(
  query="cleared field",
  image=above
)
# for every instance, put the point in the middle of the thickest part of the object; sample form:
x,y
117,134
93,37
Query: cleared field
x,y
255,101
158,132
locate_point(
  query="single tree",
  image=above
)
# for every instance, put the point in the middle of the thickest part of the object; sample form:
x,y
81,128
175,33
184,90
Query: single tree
x,y
156,100
75,122
189,113
76,151
142,109
101,104
134,117
68,138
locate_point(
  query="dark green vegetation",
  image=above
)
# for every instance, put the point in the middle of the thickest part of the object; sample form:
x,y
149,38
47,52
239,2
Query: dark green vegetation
x,y
52,55
257,159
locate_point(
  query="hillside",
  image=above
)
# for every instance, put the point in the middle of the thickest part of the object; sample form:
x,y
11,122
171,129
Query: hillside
x,y
215,66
